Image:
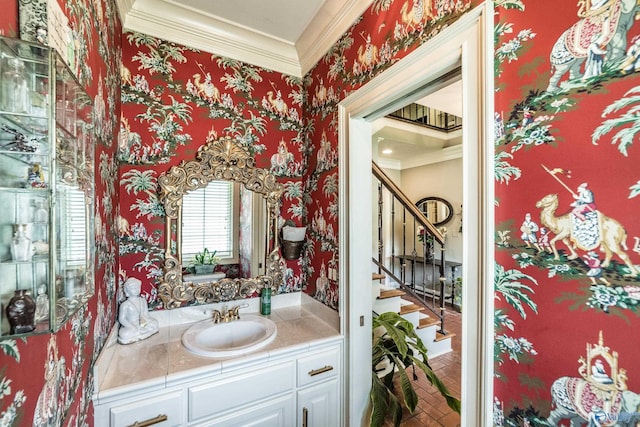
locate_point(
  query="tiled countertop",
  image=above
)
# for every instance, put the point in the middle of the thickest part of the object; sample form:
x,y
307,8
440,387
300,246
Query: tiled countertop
x,y
162,360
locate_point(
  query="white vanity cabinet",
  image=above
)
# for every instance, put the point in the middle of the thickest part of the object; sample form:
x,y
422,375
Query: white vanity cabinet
x,y
318,389
300,388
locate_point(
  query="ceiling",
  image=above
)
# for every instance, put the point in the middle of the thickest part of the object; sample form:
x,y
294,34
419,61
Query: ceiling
x,y
290,37
414,145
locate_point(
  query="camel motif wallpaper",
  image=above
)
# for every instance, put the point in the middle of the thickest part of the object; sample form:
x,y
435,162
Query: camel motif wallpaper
x,y
567,289
47,380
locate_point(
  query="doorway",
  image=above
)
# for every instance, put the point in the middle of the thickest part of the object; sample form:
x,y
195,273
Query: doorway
x,y
467,44
419,149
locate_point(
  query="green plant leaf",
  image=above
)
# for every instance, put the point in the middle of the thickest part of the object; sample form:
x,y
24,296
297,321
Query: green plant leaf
x,y
402,348
452,401
383,403
410,396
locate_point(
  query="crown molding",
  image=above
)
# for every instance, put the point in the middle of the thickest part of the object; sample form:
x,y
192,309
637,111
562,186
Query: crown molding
x,y
123,7
182,25
176,23
330,23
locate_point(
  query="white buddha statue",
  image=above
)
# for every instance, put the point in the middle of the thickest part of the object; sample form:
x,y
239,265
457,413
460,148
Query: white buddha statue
x,y
135,322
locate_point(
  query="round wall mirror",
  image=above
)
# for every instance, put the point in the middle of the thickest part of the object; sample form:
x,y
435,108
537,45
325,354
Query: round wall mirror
x,y
436,209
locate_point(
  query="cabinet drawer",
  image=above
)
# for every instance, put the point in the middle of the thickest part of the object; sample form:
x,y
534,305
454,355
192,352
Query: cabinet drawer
x,y
278,412
156,408
239,390
318,367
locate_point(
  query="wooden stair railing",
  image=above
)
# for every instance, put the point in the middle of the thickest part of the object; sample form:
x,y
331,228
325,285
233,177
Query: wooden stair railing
x,y
409,213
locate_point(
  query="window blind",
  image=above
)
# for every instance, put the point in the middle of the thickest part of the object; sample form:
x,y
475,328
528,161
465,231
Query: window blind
x,y
75,227
208,222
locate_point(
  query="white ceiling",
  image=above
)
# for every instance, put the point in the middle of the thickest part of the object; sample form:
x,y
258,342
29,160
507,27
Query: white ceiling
x,y
288,36
414,145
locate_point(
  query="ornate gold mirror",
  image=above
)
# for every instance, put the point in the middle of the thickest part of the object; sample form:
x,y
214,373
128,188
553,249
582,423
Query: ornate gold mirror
x,y
222,159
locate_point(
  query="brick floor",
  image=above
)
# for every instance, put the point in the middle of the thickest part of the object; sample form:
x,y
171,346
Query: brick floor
x,y
432,409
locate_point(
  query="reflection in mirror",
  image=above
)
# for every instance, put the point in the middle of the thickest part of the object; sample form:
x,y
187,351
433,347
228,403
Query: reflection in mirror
x,y
437,210
228,220
210,220
220,160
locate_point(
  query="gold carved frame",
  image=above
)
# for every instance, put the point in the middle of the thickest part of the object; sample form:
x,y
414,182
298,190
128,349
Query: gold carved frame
x,y
221,159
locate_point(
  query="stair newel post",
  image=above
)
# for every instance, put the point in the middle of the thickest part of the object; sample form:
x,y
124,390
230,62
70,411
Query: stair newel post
x,y
380,213
403,267
424,266
393,235
443,281
414,254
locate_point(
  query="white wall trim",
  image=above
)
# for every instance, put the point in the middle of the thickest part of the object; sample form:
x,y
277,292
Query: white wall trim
x,y
467,40
181,25
326,29
174,22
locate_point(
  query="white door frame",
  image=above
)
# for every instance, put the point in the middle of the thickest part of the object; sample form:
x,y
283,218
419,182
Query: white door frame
x,y
469,42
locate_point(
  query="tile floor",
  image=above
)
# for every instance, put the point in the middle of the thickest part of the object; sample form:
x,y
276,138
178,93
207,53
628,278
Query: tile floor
x,y
432,409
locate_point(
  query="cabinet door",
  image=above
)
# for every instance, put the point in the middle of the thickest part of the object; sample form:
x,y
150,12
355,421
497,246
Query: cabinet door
x,y
318,405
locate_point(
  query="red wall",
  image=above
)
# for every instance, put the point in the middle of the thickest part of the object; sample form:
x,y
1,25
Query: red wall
x,y
561,310
173,105
547,310
47,379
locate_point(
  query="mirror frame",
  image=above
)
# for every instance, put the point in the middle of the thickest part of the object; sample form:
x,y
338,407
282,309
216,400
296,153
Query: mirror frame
x,y
420,202
220,159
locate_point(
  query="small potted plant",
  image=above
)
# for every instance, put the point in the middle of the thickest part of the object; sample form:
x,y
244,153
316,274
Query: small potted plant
x,y
204,262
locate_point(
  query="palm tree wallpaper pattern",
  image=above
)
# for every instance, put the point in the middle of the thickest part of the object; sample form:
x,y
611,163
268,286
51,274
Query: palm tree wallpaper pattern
x,y
582,130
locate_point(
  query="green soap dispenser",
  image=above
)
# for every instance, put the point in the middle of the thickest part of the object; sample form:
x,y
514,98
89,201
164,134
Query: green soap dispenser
x,y
265,301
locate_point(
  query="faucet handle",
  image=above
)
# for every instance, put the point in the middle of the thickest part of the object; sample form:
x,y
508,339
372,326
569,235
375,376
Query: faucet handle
x,y
216,316
235,310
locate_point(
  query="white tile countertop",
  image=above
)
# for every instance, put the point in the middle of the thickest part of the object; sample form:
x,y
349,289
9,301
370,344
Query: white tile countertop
x,y
162,360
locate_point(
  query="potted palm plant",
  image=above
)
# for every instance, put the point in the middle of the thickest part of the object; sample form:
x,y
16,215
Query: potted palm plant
x,y
396,348
204,262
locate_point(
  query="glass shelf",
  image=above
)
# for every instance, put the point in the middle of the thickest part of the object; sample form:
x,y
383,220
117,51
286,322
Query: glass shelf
x,y
46,161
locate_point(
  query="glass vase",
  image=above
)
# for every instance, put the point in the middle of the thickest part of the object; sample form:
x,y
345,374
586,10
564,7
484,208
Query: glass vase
x,y
21,245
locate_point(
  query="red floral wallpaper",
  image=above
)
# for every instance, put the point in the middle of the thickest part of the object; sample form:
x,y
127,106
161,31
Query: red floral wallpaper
x,y
567,254
47,380
564,343
174,100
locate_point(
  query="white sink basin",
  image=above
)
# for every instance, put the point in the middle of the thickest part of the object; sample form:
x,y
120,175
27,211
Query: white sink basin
x,y
245,335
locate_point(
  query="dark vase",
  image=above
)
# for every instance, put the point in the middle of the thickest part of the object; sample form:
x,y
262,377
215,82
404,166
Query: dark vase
x,y
21,312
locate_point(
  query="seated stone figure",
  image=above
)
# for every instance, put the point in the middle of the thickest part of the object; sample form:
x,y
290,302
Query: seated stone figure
x,y
135,322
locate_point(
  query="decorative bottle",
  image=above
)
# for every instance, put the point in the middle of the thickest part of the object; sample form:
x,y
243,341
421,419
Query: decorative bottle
x,y
21,312
42,304
21,247
265,301
14,87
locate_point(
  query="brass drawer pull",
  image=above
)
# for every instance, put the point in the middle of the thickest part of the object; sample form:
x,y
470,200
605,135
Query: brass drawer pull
x,y
151,421
305,416
315,372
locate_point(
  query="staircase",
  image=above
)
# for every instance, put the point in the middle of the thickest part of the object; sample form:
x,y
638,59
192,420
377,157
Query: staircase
x,y
390,299
393,290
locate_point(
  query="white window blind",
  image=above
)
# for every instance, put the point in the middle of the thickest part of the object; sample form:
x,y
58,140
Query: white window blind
x,y
208,220
74,248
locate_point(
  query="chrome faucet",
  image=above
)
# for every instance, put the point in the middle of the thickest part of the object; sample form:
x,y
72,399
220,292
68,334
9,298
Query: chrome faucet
x,y
225,315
